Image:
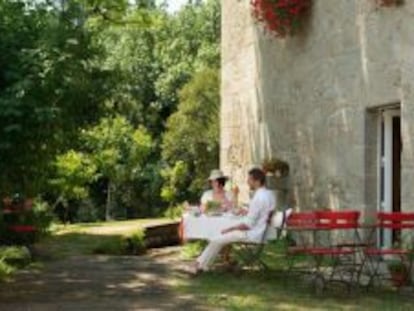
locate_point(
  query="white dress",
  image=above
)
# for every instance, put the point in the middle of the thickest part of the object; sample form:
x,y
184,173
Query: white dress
x,y
208,196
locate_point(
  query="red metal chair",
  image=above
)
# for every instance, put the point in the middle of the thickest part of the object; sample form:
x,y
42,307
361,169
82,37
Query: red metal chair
x,y
400,225
300,227
338,245
320,233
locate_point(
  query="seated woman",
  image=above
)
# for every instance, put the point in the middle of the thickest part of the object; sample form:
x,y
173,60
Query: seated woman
x,y
217,193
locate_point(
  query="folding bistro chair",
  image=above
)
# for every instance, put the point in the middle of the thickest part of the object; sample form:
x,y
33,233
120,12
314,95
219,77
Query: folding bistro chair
x,y
249,254
337,249
319,237
400,226
301,226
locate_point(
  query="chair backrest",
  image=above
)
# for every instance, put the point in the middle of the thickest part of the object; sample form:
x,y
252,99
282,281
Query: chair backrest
x,y
301,220
395,220
269,218
331,220
268,226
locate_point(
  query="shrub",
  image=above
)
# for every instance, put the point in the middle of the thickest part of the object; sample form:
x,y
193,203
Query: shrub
x,y
5,269
135,243
193,249
110,246
15,256
174,212
26,222
12,258
41,216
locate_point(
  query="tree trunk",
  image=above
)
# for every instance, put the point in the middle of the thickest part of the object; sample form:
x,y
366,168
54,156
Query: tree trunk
x,y
108,202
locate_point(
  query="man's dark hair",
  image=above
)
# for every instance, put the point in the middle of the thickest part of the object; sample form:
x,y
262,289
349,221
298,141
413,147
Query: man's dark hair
x,y
258,174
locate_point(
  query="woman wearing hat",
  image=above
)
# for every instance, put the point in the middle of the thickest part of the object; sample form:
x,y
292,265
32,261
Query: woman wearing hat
x,y
217,193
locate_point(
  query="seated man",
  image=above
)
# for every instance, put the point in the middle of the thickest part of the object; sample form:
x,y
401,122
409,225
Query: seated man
x,y
249,230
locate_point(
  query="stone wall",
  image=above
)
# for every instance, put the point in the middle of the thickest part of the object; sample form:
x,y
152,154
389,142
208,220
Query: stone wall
x,y
312,99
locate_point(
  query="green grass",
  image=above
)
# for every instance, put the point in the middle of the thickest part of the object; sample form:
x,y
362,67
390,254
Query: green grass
x,y
94,238
248,290
251,291
276,290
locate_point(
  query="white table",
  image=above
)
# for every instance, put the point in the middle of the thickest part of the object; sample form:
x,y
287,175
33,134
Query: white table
x,y
204,227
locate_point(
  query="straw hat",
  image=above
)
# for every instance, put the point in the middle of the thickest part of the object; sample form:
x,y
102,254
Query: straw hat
x,y
216,174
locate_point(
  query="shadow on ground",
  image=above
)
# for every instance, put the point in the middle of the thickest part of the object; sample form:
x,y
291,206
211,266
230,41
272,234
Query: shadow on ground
x,y
70,277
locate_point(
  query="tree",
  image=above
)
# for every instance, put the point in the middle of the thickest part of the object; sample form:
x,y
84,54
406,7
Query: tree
x,y
191,141
119,152
74,172
51,85
189,42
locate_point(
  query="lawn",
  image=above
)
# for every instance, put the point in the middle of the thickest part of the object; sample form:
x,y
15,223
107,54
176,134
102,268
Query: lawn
x,y
93,238
273,290
226,290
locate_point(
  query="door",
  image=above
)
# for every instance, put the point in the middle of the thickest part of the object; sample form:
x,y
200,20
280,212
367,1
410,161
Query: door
x,y
389,169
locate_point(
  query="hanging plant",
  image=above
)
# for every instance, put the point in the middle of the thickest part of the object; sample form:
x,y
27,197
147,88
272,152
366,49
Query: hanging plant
x,y
280,17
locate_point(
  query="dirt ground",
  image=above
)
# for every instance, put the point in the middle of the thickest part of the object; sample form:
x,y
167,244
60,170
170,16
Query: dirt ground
x,y
98,282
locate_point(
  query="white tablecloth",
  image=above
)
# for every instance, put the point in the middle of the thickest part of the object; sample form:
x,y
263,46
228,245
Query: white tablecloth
x,y
205,227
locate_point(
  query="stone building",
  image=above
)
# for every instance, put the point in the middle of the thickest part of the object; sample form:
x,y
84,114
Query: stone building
x,y
336,101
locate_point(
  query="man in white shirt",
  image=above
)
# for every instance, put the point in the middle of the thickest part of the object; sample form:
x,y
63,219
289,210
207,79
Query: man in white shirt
x,y
251,229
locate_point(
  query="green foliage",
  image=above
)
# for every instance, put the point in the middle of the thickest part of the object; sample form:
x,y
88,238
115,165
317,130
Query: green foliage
x,y
188,43
135,243
15,256
11,258
132,244
174,212
50,84
5,269
193,249
109,246
86,88
190,143
73,171
119,152
118,149
176,178
41,216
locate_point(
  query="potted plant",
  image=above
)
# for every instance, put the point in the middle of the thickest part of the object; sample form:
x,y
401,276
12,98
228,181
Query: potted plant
x,y
398,272
277,167
276,171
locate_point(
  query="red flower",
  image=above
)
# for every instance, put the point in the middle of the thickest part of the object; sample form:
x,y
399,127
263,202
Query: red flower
x,y
279,16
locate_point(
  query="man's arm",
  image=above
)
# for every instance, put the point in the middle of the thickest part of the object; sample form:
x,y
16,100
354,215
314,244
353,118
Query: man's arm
x,y
250,219
241,227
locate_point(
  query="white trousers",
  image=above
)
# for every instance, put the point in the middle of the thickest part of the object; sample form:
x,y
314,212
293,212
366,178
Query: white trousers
x,y
216,244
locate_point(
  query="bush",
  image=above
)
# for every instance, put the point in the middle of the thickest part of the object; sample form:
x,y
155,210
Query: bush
x,y
5,269
12,258
174,212
15,256
87,212
30,222
110,246
192,249
41,216
135,243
